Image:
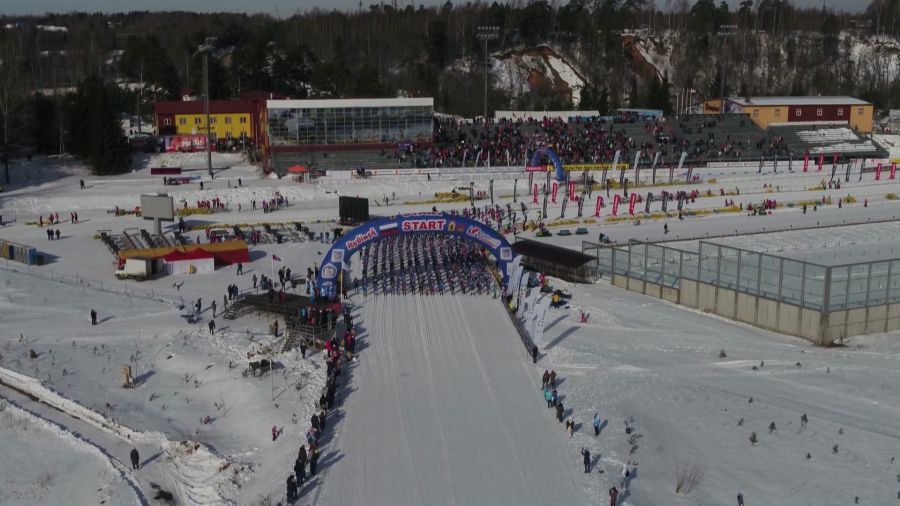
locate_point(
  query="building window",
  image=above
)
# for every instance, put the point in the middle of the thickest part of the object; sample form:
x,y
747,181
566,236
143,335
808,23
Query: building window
x,y
755,113
860,111
243,119
818,112
798,113
841,111
777,113
227,120
182,121
196,121
167,121
212,120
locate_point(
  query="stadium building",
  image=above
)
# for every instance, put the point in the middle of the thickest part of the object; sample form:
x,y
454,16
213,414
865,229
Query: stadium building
x,y
797,111
342,133
237,120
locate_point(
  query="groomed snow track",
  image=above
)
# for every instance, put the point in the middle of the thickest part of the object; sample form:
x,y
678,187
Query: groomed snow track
x,y
443,411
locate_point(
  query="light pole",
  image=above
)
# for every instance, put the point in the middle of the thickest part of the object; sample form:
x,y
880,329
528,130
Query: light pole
x,y
724,32
486,33
206,47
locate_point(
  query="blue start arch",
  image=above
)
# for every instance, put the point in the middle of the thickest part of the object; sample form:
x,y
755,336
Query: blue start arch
x,y
344,248
549,153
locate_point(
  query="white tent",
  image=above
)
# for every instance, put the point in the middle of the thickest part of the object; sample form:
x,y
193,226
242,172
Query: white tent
x,y
194,262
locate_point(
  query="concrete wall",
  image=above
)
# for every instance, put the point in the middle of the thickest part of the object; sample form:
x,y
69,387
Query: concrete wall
x,y
746,308
653,290
688,293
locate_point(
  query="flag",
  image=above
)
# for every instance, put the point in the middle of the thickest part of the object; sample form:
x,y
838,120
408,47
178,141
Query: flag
x,y
275,258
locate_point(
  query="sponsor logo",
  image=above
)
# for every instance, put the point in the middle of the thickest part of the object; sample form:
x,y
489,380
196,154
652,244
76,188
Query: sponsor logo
x,y
425,225
479,235
505,254
329,271
361,238
337,256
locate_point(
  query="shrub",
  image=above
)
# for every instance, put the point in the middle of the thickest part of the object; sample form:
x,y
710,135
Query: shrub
x,y
849,199
687,477
891,196
712,181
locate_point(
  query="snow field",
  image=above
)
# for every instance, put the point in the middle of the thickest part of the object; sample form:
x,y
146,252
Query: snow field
x,y
47,464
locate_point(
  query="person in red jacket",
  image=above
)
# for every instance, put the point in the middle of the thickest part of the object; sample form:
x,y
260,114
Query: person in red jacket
x,y
613,496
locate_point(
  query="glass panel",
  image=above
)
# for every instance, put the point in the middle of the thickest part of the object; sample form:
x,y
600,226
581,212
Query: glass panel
x,y
689,262
654,264
729,267
878,279
791,281
814,287
749,272
709,262
621,261
894,287
637,260
769,275
672,258
859,281
838,297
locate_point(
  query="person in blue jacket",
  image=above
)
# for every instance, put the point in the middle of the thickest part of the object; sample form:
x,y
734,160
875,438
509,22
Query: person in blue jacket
x,y
597,422
548,397
555,397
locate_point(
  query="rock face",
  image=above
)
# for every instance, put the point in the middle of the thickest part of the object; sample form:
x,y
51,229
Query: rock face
x,y
522,71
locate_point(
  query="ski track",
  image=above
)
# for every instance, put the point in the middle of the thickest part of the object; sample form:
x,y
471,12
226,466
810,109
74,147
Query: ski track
x,y
444,412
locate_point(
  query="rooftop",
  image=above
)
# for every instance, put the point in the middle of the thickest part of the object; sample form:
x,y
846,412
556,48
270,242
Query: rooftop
x,y
339,103
196,107
764,101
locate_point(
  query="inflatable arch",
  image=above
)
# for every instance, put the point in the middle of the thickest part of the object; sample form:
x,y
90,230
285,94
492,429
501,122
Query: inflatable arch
x,y
344,248
549,153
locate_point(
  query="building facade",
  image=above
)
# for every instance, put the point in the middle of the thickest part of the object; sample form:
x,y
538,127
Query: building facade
x,y
786,111
296,129
237,120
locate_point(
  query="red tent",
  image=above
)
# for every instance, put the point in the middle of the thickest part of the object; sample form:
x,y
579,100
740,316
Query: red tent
x,y
298,169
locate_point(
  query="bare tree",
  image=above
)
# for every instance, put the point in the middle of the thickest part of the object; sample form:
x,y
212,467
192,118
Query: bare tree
x,y
12,94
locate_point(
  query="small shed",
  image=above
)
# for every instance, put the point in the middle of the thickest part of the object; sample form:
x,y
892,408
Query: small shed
x,y
190,262
563,263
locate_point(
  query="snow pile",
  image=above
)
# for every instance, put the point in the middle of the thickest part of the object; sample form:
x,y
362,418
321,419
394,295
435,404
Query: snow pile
x,y
52,462
52,28
200,477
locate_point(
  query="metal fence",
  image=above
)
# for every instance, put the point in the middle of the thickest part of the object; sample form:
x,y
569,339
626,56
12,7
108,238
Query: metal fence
x,y
801,283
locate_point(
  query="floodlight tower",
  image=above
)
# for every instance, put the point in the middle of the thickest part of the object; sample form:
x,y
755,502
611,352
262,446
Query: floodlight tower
x,y
485,34
207,46
724,32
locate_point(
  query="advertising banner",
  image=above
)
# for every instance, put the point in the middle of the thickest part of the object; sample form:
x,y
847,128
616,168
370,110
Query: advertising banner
x,y
631,202
186,143
821,162
553,192
572,191
893,170
599,206
805,162
615,209
878,173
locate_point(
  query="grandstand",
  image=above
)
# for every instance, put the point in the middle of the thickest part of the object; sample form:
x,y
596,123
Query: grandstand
x,y
840,140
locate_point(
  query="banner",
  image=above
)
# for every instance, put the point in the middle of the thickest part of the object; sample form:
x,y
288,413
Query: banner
x,y
562,211
665,199
186,143
893,170
515,269
545,207
637,160
538,168
599,205
523,286
821,161
572,191
553,192
631,203
878,173
534,199
680,162
615,163
540,312
491,189
805,162
615,209
581,204
515,190
649,200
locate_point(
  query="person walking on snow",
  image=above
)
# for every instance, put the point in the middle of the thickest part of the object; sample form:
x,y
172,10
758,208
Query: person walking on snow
x,y
135,459
291,488
597,422
570,426
93,317
554,396
300,470
313,461
213,306
740,499
613,496
240,269
548,396
553,379
559,412
545,379
626,476
212,326
274,432
587,459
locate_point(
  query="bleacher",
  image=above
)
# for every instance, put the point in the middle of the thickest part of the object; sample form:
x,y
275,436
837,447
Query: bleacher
x,y
715,138
816,140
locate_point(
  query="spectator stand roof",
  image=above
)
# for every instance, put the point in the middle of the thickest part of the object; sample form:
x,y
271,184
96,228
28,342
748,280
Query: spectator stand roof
x,y
795,101
557,261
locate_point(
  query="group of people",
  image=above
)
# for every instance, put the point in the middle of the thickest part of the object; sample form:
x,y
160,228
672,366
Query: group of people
x,y
425,264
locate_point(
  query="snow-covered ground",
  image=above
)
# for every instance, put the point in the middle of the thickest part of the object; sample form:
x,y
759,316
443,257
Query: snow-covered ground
x,y
46,464
443,405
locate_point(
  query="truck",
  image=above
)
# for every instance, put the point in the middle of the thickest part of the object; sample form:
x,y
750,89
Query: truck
x,y
135,268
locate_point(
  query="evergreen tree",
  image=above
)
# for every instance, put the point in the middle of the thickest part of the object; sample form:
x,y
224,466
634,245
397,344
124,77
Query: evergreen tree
x,y
94,129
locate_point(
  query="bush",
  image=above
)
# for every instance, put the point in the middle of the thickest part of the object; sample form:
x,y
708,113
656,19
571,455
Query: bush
x,y
188,211
849,199
687,477
712,181
891,196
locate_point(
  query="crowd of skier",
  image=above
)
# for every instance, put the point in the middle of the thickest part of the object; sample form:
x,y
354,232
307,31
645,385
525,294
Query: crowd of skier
x,y
425,264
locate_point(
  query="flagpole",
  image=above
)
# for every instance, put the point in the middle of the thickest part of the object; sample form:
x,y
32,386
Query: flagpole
x,y
273,267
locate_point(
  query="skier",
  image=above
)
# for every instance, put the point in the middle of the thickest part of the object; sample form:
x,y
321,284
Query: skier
x,y
570,426
665,229
548,396
740,499
626,476
57,234
803,421
559,412
213,306
587,459
597,422
212,326
240,269
291,488
93,317
613,496
254,280
553,379
135,459
274,432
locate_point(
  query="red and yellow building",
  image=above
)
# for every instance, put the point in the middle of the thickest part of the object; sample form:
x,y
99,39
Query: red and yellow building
x,y
788,111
